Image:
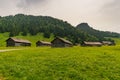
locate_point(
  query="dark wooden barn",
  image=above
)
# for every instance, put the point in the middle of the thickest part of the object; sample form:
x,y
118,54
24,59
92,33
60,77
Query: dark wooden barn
x,y
42,43
60,42
92,44
17,42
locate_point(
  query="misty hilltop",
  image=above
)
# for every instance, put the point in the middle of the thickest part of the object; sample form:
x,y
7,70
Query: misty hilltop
x,y
29,24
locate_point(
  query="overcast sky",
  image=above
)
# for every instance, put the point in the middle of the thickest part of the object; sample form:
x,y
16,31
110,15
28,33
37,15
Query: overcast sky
x,y
100,14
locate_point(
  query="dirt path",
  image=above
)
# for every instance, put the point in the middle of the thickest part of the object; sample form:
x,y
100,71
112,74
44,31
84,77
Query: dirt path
x,y
6,50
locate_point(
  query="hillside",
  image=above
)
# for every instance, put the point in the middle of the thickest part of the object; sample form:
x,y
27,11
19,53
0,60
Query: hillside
x,y
23,25
32,38
99,34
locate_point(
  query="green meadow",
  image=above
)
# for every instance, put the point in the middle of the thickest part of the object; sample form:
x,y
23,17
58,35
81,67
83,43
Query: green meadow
x,y
32,39
46,63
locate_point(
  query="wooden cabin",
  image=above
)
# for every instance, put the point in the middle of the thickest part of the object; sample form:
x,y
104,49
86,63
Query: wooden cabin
x,y
11,42
42,43
108,43
60,42
92,44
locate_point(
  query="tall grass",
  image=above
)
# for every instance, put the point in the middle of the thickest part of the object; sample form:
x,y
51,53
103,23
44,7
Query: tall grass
x,y
46,63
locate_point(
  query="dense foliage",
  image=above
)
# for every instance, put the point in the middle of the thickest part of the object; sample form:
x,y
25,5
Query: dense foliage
x,y
24,24
99,34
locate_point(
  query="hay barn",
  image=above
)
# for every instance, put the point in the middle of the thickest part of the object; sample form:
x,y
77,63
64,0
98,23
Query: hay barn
x,y
108,43
11,42
92,44
60,42
42,43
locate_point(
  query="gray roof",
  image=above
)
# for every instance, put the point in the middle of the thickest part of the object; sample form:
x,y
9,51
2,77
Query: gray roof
x,y
106,42
93,43
44,42
19,40
63,40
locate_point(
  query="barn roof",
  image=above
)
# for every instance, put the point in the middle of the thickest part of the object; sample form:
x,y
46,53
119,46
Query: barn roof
x,y
106,42
93,43
63,40
44,42
19,40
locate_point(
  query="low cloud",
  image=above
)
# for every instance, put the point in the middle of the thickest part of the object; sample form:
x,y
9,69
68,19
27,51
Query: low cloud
x,y
110,11
110,14
114,3
112,8
28,3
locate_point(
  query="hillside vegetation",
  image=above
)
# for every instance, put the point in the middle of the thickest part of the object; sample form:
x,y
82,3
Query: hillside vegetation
x,y
21,24
99,34
32,38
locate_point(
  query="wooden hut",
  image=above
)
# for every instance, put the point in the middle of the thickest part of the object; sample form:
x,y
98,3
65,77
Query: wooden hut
x,y
108,43
42,43
17,42
92,44
60,42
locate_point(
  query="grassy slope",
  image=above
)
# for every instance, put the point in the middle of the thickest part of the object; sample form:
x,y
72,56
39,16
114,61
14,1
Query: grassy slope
x,y
45,63
33,39
3,37
117,40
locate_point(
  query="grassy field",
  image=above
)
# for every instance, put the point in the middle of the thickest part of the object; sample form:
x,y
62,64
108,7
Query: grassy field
x,y
32,39
117,40
45,63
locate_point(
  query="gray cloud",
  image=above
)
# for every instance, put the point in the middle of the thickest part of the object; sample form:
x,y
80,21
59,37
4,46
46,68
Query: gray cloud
x,y
111,11
112,7
28,3
114,3
110,14
104,14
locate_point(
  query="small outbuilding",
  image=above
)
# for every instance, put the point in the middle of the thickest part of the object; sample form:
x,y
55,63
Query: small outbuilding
x,y
42,43
92,44
108,43
11,42
61,42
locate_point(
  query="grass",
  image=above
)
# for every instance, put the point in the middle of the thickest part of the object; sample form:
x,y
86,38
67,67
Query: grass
x,y
117,40
3,37
77,63
46,63
33,39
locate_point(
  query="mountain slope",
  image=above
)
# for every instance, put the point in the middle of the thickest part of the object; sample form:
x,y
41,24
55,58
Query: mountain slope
x,y
33,25
99,34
